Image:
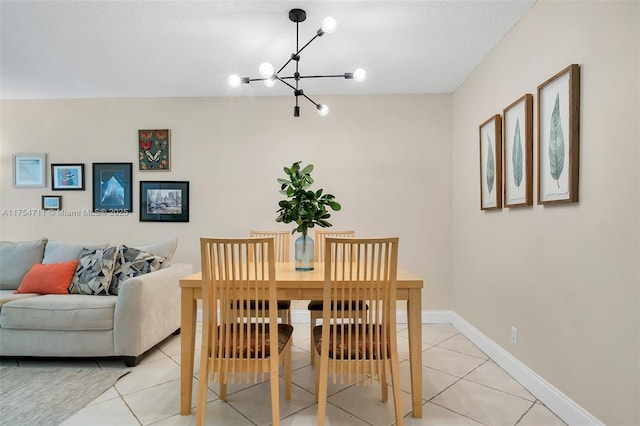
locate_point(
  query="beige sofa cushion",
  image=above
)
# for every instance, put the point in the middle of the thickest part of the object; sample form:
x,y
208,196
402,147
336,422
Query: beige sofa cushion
x,y
62,251
16,259
7,296
72,312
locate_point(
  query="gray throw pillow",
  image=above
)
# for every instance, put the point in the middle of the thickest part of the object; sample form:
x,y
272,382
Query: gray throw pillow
x,y
132,262
94,272
16,259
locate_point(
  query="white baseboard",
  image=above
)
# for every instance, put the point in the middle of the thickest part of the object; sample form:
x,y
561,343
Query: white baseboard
x,y
563,406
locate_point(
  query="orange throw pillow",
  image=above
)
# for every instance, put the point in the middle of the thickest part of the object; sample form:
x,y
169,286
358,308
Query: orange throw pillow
x,y
53,278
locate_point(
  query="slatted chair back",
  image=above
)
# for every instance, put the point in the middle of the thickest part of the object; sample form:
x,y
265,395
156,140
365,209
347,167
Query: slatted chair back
x,y
320,240
282,243
241,345
365,349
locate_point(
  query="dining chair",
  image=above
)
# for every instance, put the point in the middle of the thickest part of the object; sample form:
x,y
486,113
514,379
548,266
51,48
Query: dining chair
x,y
366,349
241,345
315,306
282,254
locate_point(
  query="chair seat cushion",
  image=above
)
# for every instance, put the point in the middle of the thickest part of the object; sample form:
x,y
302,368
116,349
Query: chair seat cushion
x,y
316,305
247,341
282,304
352,341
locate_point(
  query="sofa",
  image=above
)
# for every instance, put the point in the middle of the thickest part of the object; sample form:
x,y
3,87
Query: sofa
x,y
67,299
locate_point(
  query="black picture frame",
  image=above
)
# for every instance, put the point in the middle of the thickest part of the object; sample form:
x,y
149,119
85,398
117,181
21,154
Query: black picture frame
x,y
112,187
67,177
51,202
164,201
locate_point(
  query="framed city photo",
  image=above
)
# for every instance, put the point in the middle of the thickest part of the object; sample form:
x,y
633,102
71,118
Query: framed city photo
x,y
517,148
164,201
112,187
29,170
67,177
491,164
51,202
154,151
559,137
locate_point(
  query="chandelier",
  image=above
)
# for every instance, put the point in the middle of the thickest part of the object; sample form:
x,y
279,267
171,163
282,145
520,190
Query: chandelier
x,y
269,77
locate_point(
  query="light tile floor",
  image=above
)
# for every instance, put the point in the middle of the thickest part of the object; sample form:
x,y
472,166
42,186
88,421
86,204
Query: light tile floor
x,y
461,386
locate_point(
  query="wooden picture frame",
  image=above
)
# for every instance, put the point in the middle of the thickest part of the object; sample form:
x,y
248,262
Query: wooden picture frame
x,y
490,133
559,137
154,150
51,202
29,170
164,201
67,177
517,148
112,187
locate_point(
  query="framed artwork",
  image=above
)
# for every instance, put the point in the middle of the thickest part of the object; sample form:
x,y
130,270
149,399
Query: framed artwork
x,y
491,164
164,201
559,137
517,147
67,177
112,187
51,202
154,149
29,170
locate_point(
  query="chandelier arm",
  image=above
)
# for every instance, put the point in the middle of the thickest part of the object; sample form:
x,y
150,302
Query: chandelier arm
x,y
308,43
278,78
310,100
322,76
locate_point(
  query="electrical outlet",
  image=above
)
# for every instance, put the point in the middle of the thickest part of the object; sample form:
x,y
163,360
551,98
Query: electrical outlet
x,y
514,336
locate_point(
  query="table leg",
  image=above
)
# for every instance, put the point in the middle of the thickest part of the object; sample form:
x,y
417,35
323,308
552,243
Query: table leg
x,y
414,308
188,338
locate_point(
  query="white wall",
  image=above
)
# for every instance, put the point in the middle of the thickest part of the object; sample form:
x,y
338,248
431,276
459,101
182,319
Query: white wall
x,y
566,276
385,158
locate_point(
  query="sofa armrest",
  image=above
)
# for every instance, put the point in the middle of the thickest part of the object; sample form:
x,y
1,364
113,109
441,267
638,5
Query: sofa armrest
x,y
148,309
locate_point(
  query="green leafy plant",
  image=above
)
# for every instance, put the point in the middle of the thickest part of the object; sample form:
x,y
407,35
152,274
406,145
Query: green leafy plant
x,y
303,206
517,156
490,166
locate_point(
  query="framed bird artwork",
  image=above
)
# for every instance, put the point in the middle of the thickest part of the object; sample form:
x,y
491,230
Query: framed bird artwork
x,y
154,152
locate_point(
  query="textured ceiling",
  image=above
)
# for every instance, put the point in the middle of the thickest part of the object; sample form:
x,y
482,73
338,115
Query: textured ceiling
x,y
96,49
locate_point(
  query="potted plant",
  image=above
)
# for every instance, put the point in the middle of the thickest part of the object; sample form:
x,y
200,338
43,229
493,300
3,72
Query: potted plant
x,y
304,207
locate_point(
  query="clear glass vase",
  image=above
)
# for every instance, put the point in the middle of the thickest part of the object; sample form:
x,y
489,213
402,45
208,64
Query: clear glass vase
x,y
304,253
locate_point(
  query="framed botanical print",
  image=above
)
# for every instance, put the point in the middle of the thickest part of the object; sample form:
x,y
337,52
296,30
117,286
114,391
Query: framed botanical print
x,y
154,151
164,201
491,164
517,148
29,170
112,187
559,137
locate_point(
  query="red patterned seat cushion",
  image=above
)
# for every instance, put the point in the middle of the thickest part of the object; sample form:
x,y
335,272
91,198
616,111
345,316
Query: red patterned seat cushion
x,y
251,344
362,346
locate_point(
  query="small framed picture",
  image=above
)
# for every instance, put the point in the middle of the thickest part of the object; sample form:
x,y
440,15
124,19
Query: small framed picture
x,y
154,150
559,137
517,147
164,201
51,202
29,170
112,187
67,177
491,164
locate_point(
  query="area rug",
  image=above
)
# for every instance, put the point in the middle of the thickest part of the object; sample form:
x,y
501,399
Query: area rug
x,y
48,396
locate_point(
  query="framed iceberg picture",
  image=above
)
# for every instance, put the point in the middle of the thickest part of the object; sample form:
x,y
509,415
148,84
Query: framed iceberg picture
x,y
112,187
29,170
491,164
559,137
517,149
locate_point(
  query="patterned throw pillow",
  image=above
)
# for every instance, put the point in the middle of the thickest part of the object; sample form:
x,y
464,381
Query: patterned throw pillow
x,y
94,272
132,262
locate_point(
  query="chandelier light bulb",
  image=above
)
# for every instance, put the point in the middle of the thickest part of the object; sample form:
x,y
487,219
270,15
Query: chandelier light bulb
x,y
359,74
323,110
329,25
234,80
270,82
265,70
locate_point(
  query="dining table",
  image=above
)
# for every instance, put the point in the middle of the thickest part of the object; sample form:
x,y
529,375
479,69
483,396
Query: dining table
x,y
292,284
